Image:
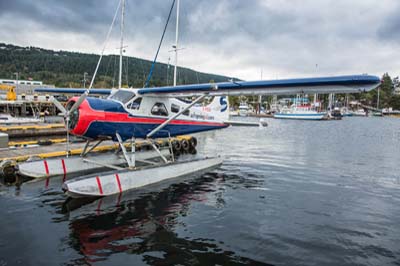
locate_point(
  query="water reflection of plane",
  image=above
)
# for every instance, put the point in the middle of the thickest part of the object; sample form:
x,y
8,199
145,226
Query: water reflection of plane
x,y
141,222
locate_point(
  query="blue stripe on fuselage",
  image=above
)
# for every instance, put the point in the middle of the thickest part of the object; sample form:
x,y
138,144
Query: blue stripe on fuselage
x,y
139,130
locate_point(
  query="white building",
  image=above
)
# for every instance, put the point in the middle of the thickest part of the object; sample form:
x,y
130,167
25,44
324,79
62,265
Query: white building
x,y
22,82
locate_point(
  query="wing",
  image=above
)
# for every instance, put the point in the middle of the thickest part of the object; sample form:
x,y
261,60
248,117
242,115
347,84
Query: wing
x,y
73,90
321,85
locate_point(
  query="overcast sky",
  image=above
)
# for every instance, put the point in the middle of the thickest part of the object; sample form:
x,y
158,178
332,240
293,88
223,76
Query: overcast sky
x,y
238,38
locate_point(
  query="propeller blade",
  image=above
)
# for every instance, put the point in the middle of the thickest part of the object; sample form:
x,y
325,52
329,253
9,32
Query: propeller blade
x,y
59,106
78,102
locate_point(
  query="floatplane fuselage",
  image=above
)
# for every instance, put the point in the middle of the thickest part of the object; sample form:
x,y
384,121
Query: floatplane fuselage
x,y
131,115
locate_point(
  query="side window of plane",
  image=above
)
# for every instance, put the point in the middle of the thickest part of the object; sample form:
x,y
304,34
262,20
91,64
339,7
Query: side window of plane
x,y
159,109
135,104
174,108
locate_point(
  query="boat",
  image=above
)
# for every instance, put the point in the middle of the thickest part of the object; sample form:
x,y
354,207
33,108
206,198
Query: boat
x,y
243,109
336,114
390,111
233,112
300,112
359,112
8,119
346,112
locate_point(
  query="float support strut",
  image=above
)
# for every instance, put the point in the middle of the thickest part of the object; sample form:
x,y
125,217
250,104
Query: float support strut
x,y
131,163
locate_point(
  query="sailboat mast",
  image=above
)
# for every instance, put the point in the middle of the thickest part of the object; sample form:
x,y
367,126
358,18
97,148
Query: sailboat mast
x,y
176,40
122,44
377,102
260,96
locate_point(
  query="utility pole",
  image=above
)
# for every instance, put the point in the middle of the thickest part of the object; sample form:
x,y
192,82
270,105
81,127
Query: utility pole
x,y
84,79
377,102
315,95
169,59
17,78
260,96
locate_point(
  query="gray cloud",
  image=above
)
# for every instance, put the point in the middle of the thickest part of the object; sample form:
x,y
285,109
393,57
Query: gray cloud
x,y
390,28
233,37
72,15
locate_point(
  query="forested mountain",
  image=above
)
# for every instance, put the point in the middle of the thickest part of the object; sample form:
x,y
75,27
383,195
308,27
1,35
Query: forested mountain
x,y
66,69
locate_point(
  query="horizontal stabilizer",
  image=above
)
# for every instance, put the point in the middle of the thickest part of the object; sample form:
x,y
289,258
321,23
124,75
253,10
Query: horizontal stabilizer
x,y
261,123
321,85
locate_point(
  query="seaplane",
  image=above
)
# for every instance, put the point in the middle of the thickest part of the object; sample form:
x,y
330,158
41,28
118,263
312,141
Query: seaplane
x,y
129,114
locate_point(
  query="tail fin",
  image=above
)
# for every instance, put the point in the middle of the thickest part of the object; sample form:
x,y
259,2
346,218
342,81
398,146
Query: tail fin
x,y
220,107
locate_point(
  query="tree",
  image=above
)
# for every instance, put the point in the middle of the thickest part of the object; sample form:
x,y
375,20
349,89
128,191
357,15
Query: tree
x,y
385,93
62,68
386,90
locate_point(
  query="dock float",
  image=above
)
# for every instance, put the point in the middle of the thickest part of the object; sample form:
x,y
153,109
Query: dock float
x,y
16,144
33,130
57,150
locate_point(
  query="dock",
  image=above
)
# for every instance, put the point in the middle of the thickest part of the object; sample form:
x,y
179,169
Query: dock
x,y
33,130
27,107
58,148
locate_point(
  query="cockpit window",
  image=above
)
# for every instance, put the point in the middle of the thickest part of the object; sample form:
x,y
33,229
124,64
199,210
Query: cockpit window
x,y
135,104
122,96
159,109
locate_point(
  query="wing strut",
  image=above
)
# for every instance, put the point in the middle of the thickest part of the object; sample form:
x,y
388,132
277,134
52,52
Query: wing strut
x,y
154,131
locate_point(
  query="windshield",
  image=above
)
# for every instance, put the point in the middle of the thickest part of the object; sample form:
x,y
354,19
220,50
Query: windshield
x,y
122,96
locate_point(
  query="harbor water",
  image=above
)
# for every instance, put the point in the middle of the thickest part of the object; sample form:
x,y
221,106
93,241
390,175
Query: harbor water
x,y
293,193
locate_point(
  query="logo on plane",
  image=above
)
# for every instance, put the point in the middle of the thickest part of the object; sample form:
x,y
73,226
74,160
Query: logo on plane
x,y
223,103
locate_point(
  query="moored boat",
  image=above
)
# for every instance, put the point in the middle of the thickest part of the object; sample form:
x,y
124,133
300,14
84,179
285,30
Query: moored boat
x,y
359,112
336,114
377,114
300,112
346,112
243,109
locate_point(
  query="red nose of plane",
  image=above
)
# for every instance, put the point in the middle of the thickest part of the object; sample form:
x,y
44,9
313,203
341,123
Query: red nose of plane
x,y
74,116
80,119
